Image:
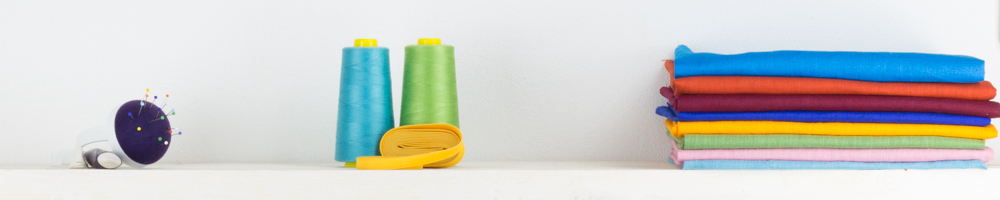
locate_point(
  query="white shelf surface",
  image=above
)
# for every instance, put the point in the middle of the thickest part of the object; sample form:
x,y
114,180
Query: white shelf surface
x,y
490,180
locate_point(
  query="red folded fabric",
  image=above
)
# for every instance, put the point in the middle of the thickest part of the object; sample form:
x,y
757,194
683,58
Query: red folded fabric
x,y
861,103
983,90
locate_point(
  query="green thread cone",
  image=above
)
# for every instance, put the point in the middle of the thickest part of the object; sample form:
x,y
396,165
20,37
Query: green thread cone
x,y
429,92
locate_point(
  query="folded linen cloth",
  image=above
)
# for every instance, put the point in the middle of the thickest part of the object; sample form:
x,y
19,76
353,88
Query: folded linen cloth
x,y
982,90
865,66
852,155
829,128
769,141
784,164
861,103
826,116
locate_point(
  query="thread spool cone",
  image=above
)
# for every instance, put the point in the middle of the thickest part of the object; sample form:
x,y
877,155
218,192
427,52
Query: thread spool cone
x,y
430,94
365,105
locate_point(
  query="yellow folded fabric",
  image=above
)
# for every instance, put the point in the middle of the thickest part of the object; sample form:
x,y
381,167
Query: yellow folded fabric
x,y
416,147
678,129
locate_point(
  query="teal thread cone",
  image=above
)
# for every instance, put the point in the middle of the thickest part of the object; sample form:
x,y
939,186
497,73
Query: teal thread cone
x,y
429,91
365,110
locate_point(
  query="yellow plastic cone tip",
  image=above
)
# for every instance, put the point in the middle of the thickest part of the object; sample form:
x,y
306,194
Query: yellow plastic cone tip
x,y
350,164
429,41
365,43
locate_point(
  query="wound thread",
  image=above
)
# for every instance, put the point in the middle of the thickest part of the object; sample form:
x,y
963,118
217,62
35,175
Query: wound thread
x,y
430,94
365,108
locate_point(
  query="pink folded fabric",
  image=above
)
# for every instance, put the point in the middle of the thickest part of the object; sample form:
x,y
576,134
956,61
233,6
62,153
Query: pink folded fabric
x,y
853,155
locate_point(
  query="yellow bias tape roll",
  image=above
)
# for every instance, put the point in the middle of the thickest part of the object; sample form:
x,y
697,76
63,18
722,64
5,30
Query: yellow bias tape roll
x,y
416,147
678,129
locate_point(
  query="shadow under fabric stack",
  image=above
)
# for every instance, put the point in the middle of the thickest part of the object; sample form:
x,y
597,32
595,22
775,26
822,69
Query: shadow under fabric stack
x,y
828,110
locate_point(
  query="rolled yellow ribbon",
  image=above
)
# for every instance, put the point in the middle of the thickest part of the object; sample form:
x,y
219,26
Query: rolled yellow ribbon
x,y
416,147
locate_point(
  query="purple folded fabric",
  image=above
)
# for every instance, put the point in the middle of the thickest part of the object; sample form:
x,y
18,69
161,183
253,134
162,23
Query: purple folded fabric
x,y
861,103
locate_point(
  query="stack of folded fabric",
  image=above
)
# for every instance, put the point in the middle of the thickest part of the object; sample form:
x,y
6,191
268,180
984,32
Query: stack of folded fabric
x,y
828,110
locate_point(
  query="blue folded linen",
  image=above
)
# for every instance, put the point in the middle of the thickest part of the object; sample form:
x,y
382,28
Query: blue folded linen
x,y
826,116
783,164
864,66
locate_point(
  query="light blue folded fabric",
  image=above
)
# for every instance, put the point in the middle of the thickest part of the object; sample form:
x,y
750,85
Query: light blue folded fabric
x,y
864,66
786,165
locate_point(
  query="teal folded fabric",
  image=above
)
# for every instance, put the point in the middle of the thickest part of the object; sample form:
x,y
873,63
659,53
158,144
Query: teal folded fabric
x,y
789,165
864,66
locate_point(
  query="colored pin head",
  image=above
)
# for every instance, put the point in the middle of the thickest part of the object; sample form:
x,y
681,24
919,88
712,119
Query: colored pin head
x,y
179,133
129,114
147,95
161,117
147,89
138,128
168,95
154,96
159,138
142,103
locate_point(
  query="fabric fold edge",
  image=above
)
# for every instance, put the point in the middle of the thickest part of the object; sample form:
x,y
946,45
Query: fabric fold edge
x,y
828,128
832,155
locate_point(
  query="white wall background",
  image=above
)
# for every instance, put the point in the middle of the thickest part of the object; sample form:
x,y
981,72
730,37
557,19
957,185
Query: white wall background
x,y
257,81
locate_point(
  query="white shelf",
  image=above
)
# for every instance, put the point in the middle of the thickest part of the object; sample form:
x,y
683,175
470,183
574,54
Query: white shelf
x,y
489,180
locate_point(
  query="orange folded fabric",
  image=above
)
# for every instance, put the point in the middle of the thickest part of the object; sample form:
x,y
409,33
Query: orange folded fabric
x,y
983,90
